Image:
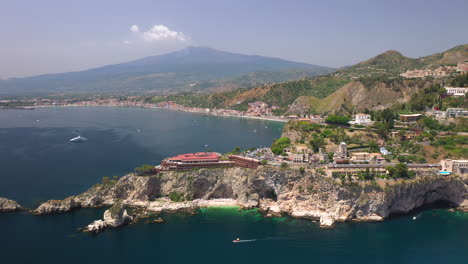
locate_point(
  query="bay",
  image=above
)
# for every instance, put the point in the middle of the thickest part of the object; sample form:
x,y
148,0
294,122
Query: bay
x,y
39,163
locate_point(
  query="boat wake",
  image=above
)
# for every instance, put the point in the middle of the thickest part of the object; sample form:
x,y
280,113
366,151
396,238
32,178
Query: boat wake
x,y
244,240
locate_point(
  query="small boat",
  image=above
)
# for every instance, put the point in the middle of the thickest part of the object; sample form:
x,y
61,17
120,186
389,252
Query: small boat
x,y
237,240
414,218
158,220
78,139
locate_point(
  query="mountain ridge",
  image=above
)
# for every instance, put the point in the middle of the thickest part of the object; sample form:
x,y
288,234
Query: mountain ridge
x,y
171,72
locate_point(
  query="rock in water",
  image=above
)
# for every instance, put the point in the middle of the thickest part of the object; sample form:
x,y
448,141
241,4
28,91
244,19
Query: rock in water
x,y
327,221
114,217
7,205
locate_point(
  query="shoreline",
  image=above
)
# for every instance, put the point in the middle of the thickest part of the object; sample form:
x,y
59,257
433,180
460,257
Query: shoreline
x,y
268,118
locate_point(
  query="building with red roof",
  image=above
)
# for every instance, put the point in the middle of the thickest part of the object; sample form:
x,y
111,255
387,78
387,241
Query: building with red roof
x,y
189,161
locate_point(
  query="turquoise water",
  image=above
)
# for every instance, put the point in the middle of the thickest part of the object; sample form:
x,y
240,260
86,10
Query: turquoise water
x,y
39,163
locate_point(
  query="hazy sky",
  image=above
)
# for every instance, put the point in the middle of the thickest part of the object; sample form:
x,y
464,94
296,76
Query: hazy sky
x,y
49,36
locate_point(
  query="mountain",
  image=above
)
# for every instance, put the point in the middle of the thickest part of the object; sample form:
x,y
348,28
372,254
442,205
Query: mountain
x,y
172,72
392,63
372,84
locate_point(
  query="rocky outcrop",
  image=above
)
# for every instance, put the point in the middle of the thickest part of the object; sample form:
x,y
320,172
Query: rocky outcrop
x,y
7,205
114,217
275,191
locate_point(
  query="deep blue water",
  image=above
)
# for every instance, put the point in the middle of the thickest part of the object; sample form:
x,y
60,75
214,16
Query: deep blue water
x,y
38,163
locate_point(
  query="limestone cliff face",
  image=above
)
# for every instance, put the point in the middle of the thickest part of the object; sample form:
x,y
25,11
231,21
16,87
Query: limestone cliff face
x,y
7,205
275,191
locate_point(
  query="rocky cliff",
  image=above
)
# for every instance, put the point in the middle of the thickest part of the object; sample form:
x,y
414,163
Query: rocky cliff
x,y
114,217
275,191
7,205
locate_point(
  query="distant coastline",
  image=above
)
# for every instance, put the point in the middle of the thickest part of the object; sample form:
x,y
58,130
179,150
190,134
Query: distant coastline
x,y
267,118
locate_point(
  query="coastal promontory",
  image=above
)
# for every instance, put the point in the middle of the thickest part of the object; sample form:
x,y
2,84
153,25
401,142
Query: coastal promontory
x,y
7,205
275,191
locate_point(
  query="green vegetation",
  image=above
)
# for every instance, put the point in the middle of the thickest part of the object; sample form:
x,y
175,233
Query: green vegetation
x,y
108,181
338,120
284,165
279,145
236,150
304,126
317,142
302,170
400,170
116,208
176,196
460,81
145,170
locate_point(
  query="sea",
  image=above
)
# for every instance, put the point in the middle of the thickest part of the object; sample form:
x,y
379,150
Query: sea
x,y
38,163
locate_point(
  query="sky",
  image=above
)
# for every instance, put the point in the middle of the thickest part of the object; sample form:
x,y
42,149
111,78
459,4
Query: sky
x,y
51,36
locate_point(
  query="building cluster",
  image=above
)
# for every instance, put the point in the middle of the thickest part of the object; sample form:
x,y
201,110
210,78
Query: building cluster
x,y
439,72
449,113
256,109
260,108
377,169
190,161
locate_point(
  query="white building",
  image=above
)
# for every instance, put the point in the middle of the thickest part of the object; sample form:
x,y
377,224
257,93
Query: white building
x,y
456,112
384,151
455,166
456,91
342,151
362,120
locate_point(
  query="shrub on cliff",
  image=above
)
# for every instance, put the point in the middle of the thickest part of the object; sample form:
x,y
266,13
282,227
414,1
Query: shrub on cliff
x,y
145,170
176,196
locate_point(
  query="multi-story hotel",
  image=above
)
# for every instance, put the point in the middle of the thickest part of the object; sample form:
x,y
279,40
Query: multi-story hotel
x,y
184,162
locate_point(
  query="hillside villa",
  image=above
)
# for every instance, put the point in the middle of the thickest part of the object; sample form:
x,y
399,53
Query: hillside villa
x,y
362,120
454,166
456,91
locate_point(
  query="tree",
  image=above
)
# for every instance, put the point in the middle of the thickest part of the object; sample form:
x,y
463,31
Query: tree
x,y
316,143
381,129
338,120
279,145
263,162
302,170
284,165
373,147
400,170
236,150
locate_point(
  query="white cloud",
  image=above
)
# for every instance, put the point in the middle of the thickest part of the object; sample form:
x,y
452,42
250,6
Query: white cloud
x,y
157,34
134,29
161,32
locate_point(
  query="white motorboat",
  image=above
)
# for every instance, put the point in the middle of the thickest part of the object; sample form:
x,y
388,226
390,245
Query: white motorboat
x,y
78,139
